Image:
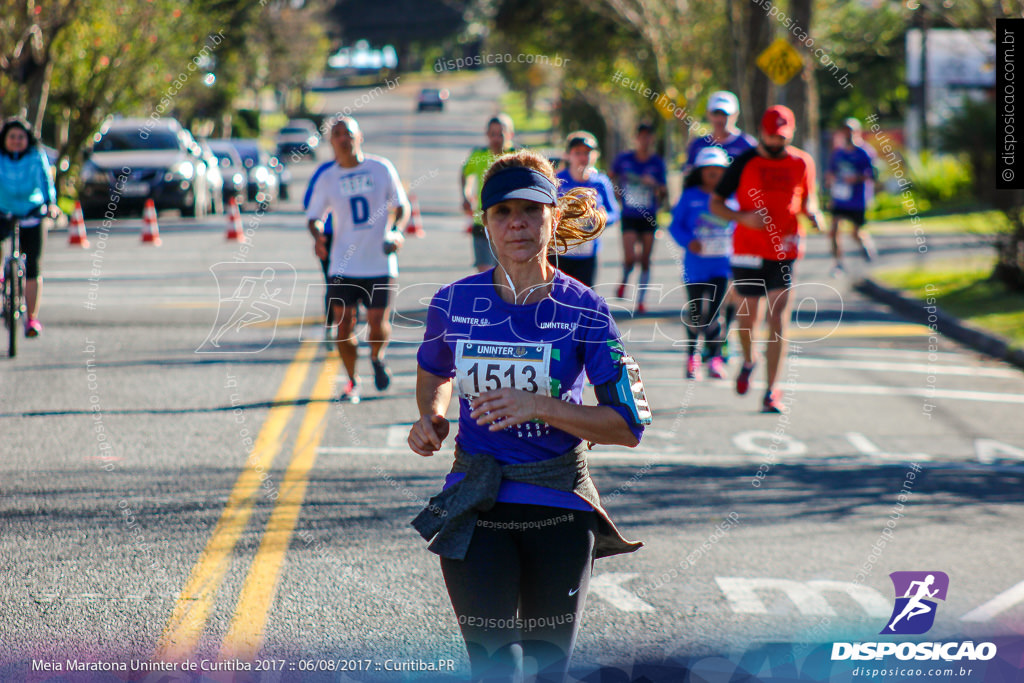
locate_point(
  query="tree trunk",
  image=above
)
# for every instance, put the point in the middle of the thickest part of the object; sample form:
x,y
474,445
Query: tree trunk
x,y
38,87
752,32
803,90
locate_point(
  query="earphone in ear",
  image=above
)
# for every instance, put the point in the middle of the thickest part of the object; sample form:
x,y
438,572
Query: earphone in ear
x,y
487,234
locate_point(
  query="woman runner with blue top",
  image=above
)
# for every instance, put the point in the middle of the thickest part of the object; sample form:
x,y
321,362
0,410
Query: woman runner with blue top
x,y
519,522
639,180
580,262
707,240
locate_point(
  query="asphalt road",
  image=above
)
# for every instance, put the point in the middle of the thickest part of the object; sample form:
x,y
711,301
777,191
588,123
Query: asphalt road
x,y
174,488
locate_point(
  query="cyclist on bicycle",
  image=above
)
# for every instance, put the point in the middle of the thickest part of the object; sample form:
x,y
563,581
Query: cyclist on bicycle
x,y
26,193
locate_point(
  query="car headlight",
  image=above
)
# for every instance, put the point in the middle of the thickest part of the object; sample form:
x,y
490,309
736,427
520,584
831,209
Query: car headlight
x,y
237,179
183,169
261,174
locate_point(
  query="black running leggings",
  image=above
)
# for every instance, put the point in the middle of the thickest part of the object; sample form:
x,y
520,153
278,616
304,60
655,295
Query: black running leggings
x,y
706,314
31,241
523,583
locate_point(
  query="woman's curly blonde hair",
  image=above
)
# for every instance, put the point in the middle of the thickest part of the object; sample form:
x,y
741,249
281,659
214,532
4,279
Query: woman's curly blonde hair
x,y
583,218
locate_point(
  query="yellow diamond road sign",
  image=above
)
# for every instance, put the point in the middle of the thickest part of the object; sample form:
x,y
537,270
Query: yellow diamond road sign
x,y
780,61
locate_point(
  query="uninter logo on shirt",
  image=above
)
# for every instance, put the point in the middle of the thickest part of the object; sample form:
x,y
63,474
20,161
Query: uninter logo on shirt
x,y
470,321
557,326
358,183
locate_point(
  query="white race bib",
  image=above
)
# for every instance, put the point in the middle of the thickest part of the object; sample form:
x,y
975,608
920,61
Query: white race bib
x,y
639,195
485,366
842,192
716,246
746,261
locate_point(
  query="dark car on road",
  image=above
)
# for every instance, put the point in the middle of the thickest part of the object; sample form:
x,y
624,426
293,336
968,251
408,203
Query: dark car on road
x,y
299,138
140,159
236,179
263,180
432,98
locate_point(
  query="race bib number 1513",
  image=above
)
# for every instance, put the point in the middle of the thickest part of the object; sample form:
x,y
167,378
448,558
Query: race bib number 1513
x,y
486,366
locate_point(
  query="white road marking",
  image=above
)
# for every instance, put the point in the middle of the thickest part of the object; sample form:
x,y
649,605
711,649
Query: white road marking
x,y
997,605
865,446
989,450
878,390
398,435
609,588
672,454
918,368
868,352
780,444
807,596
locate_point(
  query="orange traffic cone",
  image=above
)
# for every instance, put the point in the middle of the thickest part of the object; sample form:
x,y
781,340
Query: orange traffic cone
x,y
150,229
76,229
234,222
415,225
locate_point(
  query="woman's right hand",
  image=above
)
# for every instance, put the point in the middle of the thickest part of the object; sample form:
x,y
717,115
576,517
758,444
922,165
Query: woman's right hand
x,y
427,434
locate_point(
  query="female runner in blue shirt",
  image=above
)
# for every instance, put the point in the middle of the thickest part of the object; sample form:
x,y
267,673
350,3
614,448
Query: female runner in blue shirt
x,y
519,523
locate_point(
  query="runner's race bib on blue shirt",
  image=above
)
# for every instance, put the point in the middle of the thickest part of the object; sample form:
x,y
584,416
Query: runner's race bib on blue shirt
x,y
488,366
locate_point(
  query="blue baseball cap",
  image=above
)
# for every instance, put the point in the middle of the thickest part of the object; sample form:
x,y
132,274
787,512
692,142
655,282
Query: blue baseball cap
x,y
517,182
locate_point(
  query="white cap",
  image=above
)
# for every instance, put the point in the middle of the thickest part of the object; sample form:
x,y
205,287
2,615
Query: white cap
x,y
723,100
711,156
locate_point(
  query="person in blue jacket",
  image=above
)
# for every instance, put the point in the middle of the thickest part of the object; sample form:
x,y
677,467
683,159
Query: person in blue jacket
x,y
581,152
329,235
707,240
27,193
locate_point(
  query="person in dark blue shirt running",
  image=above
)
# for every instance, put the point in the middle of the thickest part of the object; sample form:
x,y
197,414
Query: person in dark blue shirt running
x,y
329,235
639,179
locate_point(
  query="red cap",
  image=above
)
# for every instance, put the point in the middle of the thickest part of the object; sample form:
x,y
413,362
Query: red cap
x,y
778,120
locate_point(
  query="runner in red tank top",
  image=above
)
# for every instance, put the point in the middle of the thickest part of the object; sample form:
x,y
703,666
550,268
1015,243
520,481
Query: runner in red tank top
x,y
772,184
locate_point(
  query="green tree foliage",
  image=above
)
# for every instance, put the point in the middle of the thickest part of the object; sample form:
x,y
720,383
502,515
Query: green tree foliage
x,y
972,131
82,61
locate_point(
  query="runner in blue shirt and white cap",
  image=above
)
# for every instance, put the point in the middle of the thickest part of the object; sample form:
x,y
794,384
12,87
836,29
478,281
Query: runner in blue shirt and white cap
x,y
723,111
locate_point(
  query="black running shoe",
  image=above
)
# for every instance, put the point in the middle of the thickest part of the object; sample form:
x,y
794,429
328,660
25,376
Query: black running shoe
x,y
381,375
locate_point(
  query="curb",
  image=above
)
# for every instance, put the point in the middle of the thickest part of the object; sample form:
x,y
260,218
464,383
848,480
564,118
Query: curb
x,y
917,311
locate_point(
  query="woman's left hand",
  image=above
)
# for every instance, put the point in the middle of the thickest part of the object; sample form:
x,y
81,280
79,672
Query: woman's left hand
x,y
506,407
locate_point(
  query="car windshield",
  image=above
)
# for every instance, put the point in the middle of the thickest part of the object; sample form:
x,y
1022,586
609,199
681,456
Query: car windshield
x,y
126,139
294,131
250,153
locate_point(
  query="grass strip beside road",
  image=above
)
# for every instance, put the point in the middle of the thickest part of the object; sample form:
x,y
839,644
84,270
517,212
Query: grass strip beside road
x,y
974,223
963,289
195,603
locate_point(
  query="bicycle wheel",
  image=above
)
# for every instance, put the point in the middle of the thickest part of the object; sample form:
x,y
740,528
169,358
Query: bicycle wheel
x,y
11,304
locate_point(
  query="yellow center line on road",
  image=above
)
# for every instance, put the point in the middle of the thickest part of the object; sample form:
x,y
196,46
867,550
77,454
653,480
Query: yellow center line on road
x,y
245,635
192,609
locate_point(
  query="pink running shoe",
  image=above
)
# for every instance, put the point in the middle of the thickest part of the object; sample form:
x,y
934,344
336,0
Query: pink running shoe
x,y
743,379
693,367
716,367
33,328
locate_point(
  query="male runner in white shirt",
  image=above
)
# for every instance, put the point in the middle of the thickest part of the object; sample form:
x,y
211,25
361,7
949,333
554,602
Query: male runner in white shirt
x,y
369,209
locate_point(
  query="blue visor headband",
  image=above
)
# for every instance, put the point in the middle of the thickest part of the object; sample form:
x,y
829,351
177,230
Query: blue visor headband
x,y
517,182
